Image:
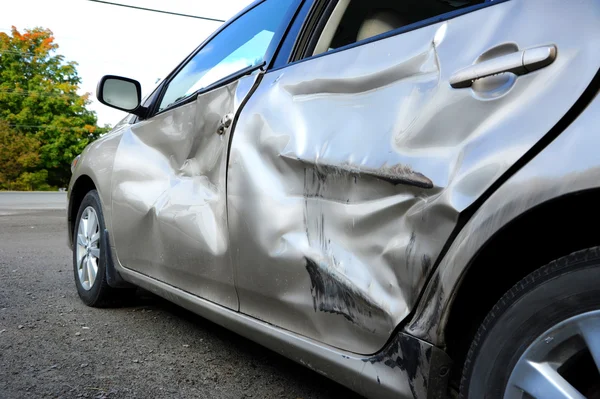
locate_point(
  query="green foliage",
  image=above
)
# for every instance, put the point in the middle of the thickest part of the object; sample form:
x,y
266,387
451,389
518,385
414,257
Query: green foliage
x,y
33,181
40,106
18,154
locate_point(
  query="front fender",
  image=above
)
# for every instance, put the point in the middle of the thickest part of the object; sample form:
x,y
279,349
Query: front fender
x,y
96,163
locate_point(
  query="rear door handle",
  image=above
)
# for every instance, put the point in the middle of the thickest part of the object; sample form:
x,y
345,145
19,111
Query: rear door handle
x,y
520,63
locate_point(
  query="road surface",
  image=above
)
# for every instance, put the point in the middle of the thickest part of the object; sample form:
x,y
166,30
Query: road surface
x,y
53,346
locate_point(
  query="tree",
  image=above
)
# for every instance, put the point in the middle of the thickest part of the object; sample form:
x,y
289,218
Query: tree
x,y
18,155
39,102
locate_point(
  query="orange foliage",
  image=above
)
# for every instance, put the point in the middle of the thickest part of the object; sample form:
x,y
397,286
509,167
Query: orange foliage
x,y
43,39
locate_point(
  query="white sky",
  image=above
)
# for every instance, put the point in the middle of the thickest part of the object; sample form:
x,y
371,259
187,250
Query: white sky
x,y
113,40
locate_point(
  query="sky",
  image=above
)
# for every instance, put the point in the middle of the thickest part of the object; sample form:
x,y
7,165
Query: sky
x,y
110,40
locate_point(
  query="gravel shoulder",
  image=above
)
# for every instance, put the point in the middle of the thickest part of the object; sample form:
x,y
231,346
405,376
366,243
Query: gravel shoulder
x,y
53,346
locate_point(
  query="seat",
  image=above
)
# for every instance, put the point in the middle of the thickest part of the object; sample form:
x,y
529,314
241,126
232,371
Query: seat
x,y
378,22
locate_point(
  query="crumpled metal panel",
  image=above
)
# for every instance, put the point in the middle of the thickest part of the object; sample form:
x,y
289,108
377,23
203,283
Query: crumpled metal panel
x,y
348,171
569,165
169,196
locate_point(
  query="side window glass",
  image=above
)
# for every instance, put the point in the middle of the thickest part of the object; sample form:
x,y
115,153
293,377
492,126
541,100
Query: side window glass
x,y
147,102
353,21
241,45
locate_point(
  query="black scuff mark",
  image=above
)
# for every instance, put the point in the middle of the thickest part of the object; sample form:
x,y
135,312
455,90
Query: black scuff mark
x,y
393,174
323,241
315,182
333,293
424,270
331,290
410,248
378,380
305,204
411,262
434,295
426,263
405,353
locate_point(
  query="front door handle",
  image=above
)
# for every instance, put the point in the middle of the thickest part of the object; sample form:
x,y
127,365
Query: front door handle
x,y
519,63
225,123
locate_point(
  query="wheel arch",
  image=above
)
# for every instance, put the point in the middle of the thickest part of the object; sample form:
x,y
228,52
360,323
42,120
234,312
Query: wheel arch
x,y
94,172
80,188
548,231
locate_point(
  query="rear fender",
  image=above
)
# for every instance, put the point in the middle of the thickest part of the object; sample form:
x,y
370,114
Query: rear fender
x,y
568,165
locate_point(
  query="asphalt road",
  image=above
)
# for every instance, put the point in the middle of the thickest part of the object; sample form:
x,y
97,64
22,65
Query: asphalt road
x,y
53,346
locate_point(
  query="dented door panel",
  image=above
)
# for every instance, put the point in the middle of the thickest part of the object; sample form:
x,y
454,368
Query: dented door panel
x,y
169,196
348,171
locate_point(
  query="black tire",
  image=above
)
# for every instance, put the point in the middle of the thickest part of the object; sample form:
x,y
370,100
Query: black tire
x,y
100,294
556,292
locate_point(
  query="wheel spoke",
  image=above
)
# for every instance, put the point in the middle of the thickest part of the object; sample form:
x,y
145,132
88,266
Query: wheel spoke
x,y
80,255
84,271
542,381
590,329
95,252
81,240
80,268
91,271
95,237
83,226
91,224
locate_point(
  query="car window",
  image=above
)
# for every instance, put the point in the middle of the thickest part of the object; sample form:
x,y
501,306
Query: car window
x,y
149,99
240,45
353,21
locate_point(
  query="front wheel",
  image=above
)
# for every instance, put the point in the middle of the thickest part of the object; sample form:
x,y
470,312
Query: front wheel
x,y
89,259
542,339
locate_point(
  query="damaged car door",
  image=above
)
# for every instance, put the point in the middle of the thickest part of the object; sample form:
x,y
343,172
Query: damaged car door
x,y
351,165
168,189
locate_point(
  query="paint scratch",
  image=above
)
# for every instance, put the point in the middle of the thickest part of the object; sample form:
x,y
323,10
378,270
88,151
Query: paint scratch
x,y
334,293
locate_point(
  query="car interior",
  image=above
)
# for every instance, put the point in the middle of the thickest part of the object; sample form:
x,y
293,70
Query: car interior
x,y
352,21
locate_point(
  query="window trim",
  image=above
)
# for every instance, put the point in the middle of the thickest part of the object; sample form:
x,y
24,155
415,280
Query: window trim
x,y
282,32
267,59
311,23
153,95
295,30
320,23
299,58
219,83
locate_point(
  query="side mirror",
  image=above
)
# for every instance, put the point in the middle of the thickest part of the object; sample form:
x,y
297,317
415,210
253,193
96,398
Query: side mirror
x,y
121,93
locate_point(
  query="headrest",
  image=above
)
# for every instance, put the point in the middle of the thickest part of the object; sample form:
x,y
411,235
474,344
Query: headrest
x,y
379,22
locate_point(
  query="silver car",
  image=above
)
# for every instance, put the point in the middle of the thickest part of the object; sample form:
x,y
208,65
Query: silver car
x,y
399,195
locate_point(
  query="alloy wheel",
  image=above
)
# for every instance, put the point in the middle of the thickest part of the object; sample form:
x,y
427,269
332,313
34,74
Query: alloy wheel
x,y
88,247
564,362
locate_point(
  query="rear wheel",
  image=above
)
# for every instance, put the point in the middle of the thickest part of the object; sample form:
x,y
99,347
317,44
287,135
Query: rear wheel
x,y
89,257
542,339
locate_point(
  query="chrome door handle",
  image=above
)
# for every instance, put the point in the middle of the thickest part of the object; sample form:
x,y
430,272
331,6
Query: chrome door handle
x,y
520,63
225,123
